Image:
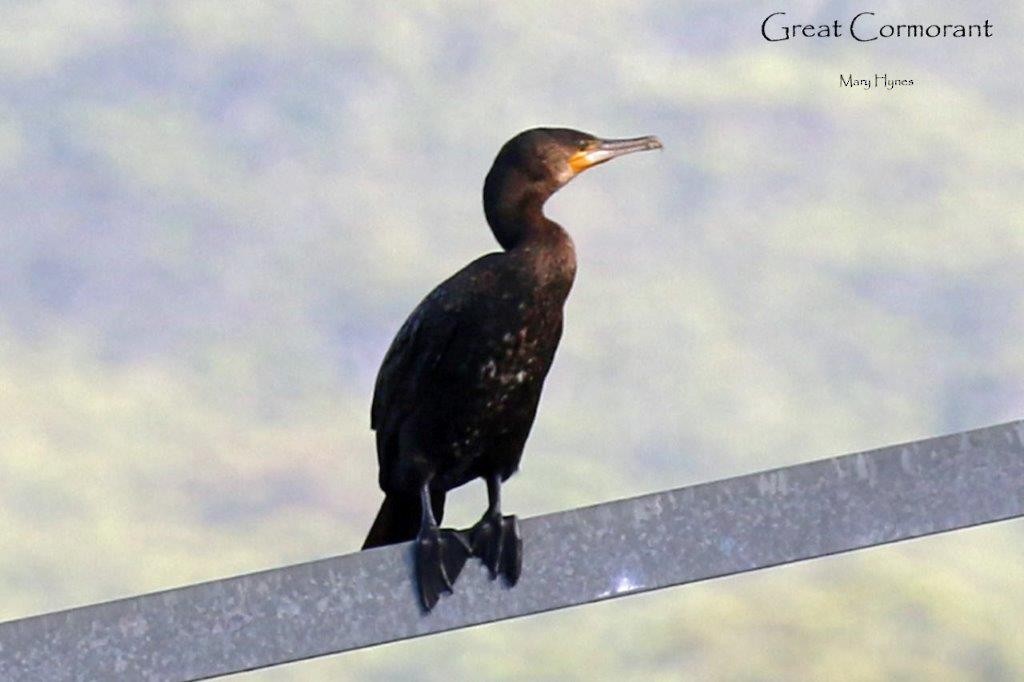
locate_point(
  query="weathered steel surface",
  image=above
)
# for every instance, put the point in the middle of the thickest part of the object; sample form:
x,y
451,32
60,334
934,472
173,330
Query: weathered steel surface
x,y
574,557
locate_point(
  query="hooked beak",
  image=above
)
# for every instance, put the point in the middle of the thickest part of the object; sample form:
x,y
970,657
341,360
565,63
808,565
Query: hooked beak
x,y
603,150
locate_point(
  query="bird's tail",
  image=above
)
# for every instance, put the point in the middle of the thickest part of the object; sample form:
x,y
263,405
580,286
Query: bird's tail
x,y
399,518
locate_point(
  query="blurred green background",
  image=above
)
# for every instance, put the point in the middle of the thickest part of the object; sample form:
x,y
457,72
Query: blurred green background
x,y
216,214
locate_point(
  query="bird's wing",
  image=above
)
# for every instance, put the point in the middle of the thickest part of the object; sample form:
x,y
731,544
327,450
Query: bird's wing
x,y
417,349
421,345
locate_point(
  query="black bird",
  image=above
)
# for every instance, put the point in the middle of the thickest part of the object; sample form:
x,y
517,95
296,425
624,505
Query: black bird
x,y
458,389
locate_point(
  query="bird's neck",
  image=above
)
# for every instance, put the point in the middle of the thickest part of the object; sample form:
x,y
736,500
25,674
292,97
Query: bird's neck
x,y
543,248
514,206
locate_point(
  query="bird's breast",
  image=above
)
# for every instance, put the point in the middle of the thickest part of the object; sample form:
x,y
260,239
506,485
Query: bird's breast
x,y
521,337
506,379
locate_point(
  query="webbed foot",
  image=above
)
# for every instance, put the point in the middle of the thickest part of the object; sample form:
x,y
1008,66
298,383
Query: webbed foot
x,y
495,539
440,556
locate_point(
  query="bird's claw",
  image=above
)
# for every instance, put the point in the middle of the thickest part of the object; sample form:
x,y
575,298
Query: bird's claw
x,y
440,556
496,541
485,540
511,550
442,553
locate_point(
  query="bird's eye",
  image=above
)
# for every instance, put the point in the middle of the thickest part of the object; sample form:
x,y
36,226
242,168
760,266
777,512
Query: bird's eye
x,y
582,144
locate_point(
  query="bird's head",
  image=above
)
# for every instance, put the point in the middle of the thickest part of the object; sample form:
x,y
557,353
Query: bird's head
x,y
536,163
554,156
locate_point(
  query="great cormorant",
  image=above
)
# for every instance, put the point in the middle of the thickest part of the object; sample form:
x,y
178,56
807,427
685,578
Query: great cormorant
x,y
458,389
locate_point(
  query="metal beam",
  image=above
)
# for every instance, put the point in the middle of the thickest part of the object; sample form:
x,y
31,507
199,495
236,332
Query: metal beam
x,y
574,557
